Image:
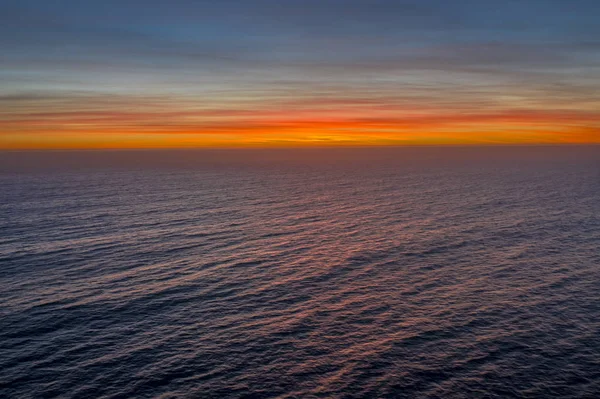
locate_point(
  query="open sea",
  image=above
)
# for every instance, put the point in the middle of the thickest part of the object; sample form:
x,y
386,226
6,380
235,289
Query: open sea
x,y
309,273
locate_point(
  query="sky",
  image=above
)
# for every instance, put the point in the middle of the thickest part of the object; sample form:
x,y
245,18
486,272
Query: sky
x,y
269,73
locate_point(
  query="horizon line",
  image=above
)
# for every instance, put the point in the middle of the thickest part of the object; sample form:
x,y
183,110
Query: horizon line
x,y
299,147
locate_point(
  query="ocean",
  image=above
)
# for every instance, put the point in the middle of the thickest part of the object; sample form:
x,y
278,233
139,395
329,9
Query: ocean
x,y
309,273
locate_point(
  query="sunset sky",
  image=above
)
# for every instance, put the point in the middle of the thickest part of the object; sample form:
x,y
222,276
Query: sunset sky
x,y
263,73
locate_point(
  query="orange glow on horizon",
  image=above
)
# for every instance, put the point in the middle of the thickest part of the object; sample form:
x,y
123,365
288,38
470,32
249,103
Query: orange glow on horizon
x,y
175,129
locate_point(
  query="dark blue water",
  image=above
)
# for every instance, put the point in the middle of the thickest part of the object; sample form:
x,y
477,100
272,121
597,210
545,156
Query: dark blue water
x,y
317,273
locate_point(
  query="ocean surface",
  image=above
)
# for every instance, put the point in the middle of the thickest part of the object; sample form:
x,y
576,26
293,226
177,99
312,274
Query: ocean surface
x,y
349,273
